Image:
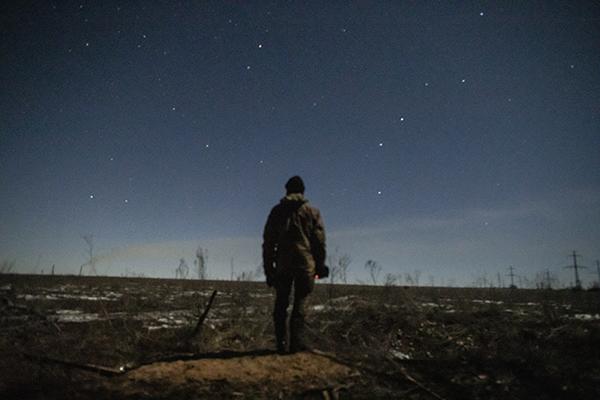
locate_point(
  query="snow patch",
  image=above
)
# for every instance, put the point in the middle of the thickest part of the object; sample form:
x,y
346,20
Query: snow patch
x,y
400,355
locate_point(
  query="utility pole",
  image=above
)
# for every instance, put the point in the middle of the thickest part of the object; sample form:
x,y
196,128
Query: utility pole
x,y
576,269
512,277
232,269
598,270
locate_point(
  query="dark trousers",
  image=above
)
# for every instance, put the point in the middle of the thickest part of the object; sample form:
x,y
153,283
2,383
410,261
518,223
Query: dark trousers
x,y
303,284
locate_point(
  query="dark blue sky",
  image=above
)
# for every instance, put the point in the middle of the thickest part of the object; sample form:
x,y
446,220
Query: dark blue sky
x,y
454,139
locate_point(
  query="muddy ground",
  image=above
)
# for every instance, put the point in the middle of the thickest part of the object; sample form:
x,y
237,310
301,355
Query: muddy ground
x,y
99,337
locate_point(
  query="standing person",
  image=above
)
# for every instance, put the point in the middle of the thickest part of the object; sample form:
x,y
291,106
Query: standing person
x,y
293,253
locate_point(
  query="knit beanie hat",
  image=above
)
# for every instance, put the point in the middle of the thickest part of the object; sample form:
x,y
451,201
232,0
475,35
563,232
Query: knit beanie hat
x,y
294,185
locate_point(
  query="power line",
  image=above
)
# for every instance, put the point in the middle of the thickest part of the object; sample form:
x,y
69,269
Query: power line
x,y
512,276
576,269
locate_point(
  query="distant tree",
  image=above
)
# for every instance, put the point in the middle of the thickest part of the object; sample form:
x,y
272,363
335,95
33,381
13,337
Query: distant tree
x,y
374,270
344,263
92,259
7,266
338,266
390,279
201,262
431,280
182,271
417,276
247,276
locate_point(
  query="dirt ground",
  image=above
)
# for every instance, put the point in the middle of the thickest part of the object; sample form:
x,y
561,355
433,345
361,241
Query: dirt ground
x,y
133,338
239,376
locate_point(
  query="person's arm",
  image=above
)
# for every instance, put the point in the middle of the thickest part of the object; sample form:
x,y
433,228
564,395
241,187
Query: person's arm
x,y
269,249
317,245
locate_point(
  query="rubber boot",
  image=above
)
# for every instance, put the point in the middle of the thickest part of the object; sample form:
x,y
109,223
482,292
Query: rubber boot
x,y
297,343
281,336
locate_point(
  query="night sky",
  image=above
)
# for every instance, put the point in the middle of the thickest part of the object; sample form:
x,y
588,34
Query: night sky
x,y
447,137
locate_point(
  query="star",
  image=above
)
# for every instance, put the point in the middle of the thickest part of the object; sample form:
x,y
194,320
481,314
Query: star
x,y
91,196
248,67
481,14
426,83
173,108
572,66
87,44
126,201
260,46
380,144
379,192
463,80
401,119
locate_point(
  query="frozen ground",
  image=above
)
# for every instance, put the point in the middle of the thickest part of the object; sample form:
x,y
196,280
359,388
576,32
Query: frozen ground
x,y
462,343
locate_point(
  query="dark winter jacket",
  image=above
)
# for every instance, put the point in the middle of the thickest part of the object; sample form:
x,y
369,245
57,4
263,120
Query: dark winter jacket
x,y
294,236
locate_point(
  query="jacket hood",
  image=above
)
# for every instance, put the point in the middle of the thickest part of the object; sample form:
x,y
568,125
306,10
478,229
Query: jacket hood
x,y
296,199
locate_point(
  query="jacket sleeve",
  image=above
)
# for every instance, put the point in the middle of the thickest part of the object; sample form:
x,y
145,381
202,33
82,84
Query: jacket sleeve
x,y
317,244
269,247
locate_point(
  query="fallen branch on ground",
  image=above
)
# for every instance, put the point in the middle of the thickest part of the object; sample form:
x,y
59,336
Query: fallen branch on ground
x,y
409,378
203,316
88,367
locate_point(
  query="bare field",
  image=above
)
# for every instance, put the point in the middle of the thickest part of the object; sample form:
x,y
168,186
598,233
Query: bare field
x,y
102,337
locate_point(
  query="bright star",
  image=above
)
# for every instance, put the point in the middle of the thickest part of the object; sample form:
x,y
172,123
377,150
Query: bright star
x,y
91,196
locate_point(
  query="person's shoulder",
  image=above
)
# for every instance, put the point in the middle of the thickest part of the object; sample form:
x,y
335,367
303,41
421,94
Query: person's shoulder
x,y
275,209
311,209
